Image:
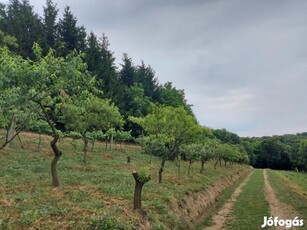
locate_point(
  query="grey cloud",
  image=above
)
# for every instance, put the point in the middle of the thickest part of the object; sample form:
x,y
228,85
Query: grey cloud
x,y
242,63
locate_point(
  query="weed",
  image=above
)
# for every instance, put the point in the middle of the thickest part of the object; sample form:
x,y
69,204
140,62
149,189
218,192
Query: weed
x,y
106,223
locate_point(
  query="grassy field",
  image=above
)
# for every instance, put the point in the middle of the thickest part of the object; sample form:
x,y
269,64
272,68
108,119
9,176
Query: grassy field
x,y
291,188
99,193
251,206
296,178
220,201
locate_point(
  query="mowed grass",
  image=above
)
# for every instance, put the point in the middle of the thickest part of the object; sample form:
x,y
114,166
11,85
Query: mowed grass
x,y
291,188
298,178
220,201
101,188
251,206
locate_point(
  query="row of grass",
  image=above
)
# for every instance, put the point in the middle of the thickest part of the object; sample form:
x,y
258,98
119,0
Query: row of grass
x,y
297,178
101,188
281,182
220,201
251,205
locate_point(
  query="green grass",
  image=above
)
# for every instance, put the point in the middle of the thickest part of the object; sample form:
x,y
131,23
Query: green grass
x,y
220,201
297,178
286,193
90,193
251,206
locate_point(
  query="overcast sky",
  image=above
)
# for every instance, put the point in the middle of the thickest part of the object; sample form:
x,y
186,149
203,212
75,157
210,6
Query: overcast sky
x,y
242,63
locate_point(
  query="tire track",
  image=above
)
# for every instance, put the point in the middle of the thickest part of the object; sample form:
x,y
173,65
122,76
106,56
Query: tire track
x,y
277,208
222,215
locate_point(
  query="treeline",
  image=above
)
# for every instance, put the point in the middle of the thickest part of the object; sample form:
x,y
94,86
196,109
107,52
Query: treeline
x,y
286,152
278,152
56,78
131,87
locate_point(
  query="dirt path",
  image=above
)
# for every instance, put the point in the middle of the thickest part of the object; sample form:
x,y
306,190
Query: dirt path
x,y
222,215
277,208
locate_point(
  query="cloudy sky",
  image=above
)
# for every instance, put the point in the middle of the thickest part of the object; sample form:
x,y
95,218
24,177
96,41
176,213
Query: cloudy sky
x,y
242,63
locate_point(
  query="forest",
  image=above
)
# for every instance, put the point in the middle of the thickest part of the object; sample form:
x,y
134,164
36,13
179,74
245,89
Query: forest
x,y
58,79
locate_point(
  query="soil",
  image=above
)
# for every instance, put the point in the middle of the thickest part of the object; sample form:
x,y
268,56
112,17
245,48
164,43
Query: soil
x,y
223,214
277,208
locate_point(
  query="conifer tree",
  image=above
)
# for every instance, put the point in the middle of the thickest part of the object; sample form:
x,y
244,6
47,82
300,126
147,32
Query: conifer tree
x,y
72,36
50,26
21,22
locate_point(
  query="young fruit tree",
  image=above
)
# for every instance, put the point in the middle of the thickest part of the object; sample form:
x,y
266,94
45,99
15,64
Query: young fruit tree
x,y
205,154
44,86
123,136
191,153
170,126
86,114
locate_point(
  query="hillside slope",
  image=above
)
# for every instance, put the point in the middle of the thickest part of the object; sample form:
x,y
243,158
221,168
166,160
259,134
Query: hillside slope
x,y
100,193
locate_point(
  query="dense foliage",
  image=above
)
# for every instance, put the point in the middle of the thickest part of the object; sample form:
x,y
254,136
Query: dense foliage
x,y
56,78
131,87
287,151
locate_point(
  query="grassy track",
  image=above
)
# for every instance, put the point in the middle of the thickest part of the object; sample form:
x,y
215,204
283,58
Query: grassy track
x,y
220,201
251,206
291,188
297,178
102,188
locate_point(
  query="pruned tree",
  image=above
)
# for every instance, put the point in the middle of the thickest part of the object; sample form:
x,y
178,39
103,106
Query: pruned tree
x,y
152,146
140,178
44,86
170,126
122,136
191,153
86,114
205,154
74,137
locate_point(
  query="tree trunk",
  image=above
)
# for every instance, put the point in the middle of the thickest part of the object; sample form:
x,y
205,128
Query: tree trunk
x,y
160,174
137,203
57,155
190,162
85,150
202,168
179,167
220,162
161,171
93,145
217,161
20,141
225,163
11,130
121,147
111,143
